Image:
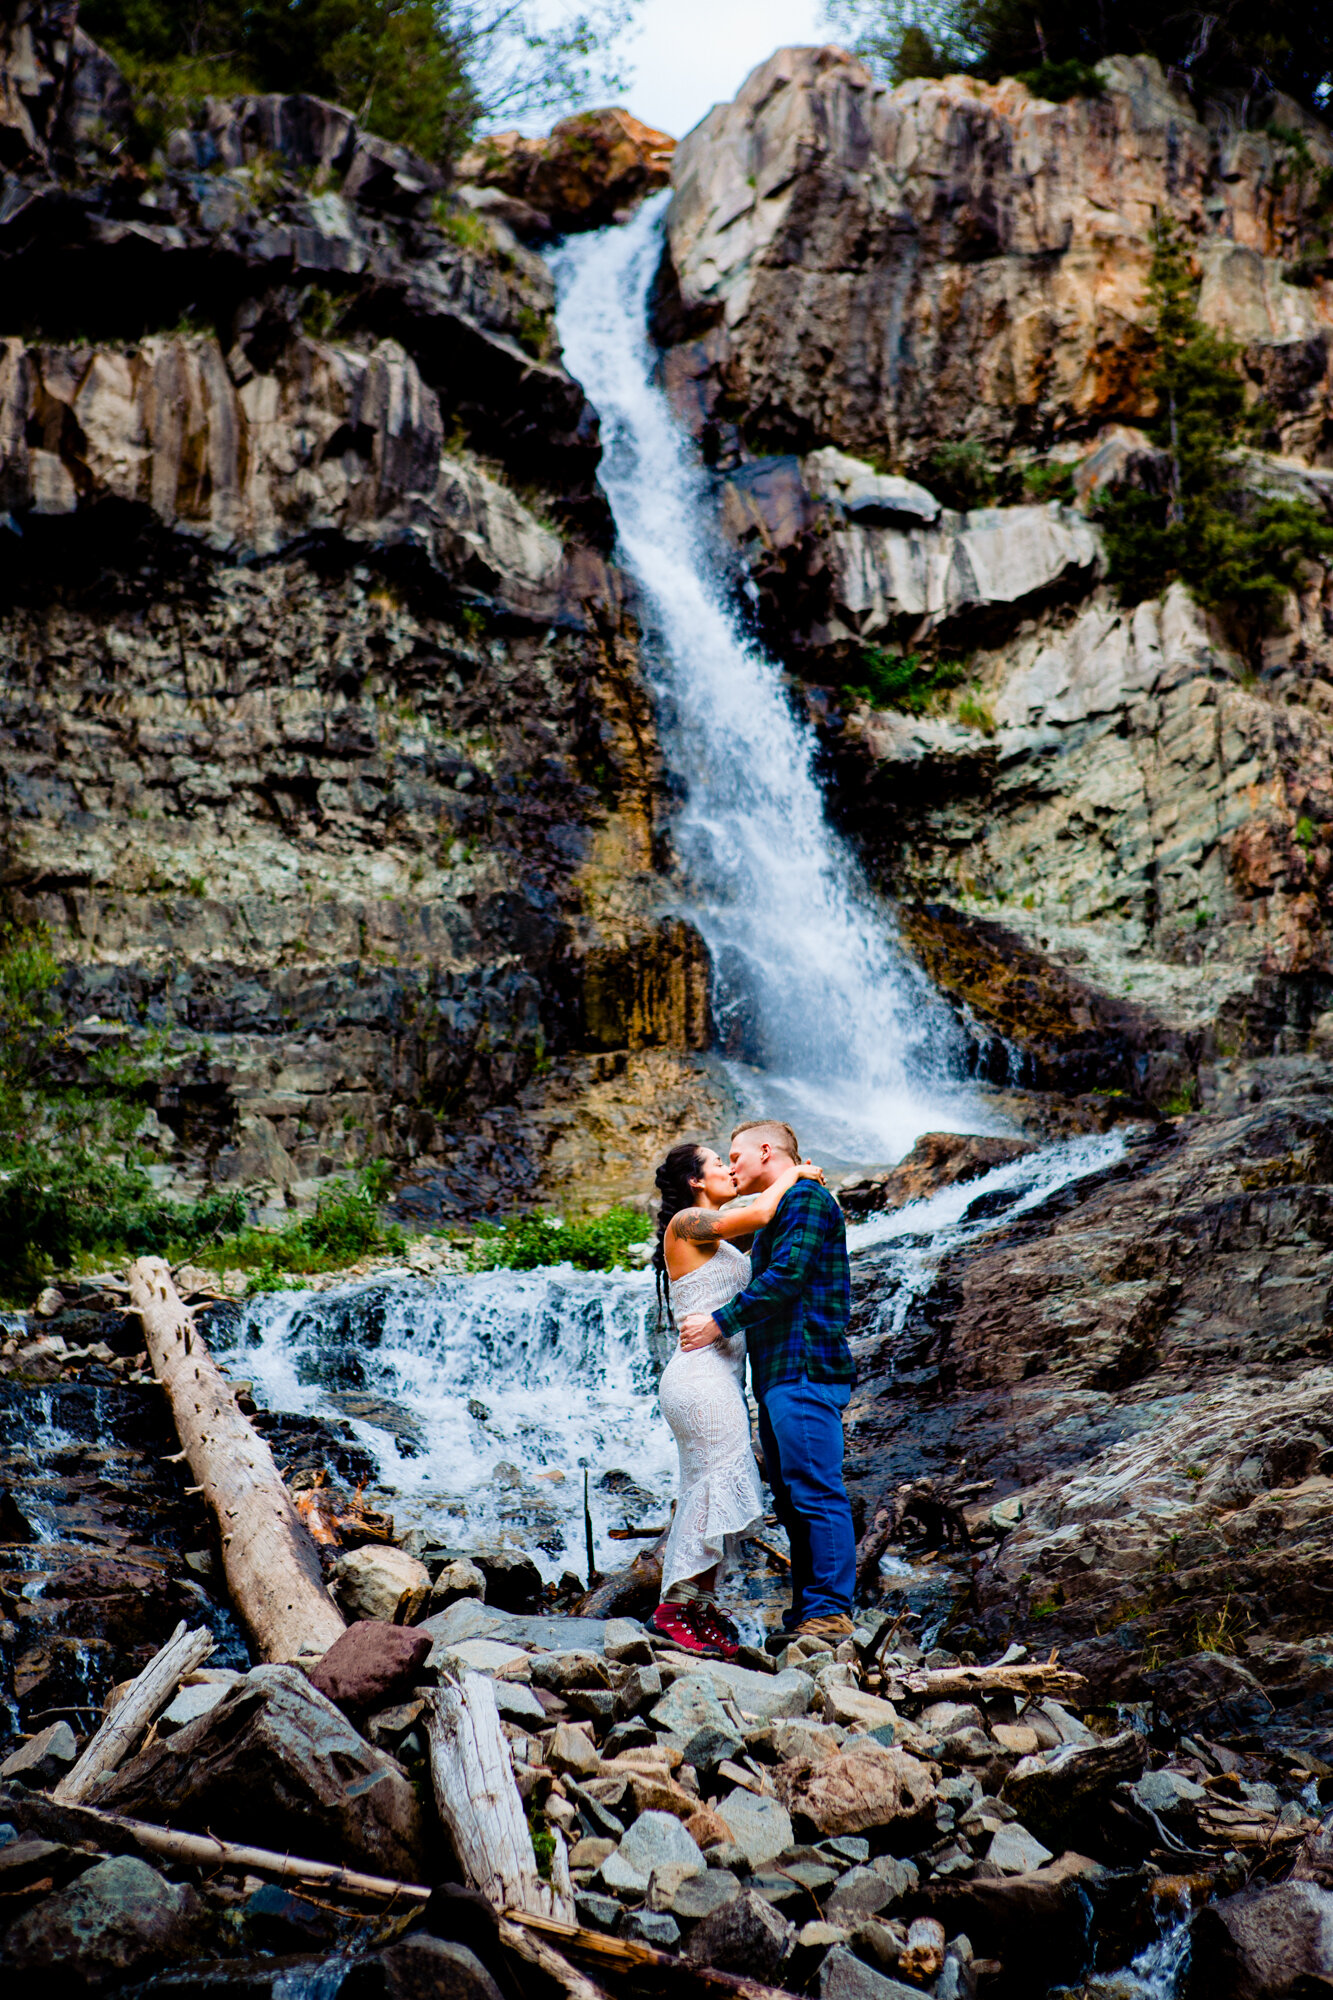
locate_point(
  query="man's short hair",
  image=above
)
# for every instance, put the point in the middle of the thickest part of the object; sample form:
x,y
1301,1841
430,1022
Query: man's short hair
x,y
772,1132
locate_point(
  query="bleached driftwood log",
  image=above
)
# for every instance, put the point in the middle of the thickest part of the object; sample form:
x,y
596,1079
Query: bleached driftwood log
x,y
479,1803
1038,1680
143,1700
272,1567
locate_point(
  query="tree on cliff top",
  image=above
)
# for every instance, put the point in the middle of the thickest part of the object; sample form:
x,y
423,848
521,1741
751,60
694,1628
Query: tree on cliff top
x,y
1243,48
420,71
1238,550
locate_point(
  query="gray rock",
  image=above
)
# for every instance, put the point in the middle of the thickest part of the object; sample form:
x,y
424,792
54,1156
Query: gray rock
x,y
44,1759
1264,1945
688,1706
189,1704
559,1672
596,1913
762,1827
766,1697
903,1877
419,1965
1168,1791
625,1640
851,1847
699,1895
652,1927
842,1976
517,1703
467,1618
745,1935
120,1918
275,1754
727,1855
621,1877
860,1893
709,1747
658,1841
1014,1851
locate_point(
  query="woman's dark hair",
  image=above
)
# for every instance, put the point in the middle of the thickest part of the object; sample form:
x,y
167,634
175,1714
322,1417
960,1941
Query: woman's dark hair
x,y
682,1165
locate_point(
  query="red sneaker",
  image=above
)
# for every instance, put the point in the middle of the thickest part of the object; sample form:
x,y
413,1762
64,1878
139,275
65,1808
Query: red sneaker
x,y
715,1628
674,1622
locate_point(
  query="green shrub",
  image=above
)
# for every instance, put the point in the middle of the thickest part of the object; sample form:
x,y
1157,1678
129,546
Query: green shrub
x,y
345,1227
1059,81
1239,552
906,681
961,475
53,1211
601,1243
1048,480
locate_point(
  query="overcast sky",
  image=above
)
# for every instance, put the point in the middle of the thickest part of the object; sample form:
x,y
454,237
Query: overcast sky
x,y
690,54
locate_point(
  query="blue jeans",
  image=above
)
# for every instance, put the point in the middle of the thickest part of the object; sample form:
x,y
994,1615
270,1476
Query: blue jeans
x,y
800,1429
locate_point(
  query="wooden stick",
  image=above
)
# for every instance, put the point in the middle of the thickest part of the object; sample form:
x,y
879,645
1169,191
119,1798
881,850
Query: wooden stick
x,y
204,1850
627,1953
478,1801
147,1695
1043,1678
271,1564
576,1985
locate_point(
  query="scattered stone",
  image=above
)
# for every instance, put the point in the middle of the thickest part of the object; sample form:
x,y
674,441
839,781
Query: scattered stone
x,y
652,1927
517,1703
688,1706
276,1756
863,1785
626,1641
852,1706
706,1829
560,1672
709,1747
1062,1796
760,1827
843,1976
654,1843
571,1750
372,1665
119,1918
481,1656
189,1704
728,1855
455,1580
44,1759
860,1893
1014,1851
879,1942
746,1934
1168,1792
1263,1945
1016,1738
513,1580
597,1913
381,1582
50,1302
590,1852
387,1727
851,1847
903,1877
699,1895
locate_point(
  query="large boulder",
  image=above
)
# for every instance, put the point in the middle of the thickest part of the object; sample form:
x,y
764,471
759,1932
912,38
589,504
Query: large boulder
x,y
744,1934
937,1160
1062,1795
381,1582
276,1763
862,1786
119,1920
1274,1944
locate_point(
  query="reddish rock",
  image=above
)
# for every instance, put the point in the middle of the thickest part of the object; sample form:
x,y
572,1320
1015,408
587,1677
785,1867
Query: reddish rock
x,y
590,169
372,1665
937,1160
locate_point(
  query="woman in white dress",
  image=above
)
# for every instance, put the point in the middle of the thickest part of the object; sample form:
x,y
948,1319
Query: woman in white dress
x,y
701,1262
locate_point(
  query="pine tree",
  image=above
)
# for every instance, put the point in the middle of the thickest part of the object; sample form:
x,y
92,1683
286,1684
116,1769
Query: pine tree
x,y
1240,552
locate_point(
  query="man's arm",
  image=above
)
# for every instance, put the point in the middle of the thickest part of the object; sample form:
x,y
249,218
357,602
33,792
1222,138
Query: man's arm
x,y
797,1235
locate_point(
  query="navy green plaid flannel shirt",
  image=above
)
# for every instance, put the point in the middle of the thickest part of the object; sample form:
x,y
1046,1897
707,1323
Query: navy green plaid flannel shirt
x,y
795,1309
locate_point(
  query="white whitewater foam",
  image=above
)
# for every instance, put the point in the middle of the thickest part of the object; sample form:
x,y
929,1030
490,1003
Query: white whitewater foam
x,y
836,1029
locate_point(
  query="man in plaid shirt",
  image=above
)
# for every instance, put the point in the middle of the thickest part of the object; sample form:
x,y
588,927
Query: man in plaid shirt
x,y
794,1314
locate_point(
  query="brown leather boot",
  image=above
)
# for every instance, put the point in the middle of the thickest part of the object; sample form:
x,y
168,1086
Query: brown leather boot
x,y
839,1626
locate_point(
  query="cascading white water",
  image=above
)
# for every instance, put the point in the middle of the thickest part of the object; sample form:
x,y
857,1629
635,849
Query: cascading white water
x,y
848,1038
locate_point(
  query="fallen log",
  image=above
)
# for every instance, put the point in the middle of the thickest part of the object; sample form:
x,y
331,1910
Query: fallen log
x,y
142,1702
473,1778
1038,1680
574,1984
271,1563
118,1835
630,1956
627,1592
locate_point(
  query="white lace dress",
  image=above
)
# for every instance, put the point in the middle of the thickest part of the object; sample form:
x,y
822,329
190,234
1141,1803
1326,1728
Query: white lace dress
x,y
703,1399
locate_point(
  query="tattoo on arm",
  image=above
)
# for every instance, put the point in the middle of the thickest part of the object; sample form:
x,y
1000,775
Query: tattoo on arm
x,y
695,1225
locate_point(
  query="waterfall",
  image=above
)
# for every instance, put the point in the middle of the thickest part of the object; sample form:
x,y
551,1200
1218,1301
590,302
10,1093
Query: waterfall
x,y
836,1029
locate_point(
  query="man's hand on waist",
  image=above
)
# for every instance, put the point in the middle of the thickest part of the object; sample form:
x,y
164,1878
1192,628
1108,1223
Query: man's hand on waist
x,y
698,1330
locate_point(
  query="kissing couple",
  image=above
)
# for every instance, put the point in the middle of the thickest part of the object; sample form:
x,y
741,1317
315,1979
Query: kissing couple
x,y
771,1278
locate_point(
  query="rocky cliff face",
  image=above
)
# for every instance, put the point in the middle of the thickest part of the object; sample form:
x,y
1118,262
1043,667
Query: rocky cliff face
x,y
855,277
326,756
